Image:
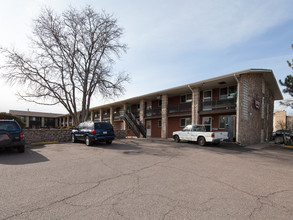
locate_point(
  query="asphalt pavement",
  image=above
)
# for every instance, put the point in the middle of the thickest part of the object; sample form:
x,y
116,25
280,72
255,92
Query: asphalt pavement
x,y
147,179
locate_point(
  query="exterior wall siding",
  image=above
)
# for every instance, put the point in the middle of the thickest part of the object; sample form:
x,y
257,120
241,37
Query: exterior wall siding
x,y
251,124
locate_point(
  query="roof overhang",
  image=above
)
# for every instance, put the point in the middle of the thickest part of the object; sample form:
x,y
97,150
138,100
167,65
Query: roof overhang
x,y
228,79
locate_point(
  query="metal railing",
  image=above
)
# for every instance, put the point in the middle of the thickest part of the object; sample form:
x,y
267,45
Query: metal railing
x,y
179,109
223,104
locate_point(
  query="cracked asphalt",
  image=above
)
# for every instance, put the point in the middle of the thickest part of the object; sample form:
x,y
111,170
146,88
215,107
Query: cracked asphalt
x,y
147,179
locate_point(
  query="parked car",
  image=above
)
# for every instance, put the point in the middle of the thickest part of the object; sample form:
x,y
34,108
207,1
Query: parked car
x,y
91,132
11,135
278,136
199,134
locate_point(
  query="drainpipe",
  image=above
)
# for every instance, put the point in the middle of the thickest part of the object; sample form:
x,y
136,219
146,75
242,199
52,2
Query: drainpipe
x,y
237,110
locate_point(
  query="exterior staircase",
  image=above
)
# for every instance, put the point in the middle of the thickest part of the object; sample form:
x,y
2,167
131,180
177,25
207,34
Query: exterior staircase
x,y
135,125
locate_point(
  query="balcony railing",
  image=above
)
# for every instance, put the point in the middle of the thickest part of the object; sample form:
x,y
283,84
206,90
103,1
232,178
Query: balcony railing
x,y
179,109
218,105
153,112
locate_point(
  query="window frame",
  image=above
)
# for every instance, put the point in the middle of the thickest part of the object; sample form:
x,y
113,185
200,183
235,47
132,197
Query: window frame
x,y
185,98
185,123
220,121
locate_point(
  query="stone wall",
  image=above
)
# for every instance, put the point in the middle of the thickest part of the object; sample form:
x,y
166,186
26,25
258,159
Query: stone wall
x,y
46,135
59,135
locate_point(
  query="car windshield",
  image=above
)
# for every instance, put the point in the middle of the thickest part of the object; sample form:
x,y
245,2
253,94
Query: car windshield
x,y
103,126
8,126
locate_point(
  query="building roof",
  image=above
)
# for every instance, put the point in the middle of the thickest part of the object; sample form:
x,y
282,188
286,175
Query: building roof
x,y
34,114
229,79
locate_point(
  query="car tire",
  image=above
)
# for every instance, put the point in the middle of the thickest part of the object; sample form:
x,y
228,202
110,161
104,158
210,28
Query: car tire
x,y
73,138
88,141
176,138
21,149
108,142
201,141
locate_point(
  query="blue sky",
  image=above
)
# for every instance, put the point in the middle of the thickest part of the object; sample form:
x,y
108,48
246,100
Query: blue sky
x,y
171,43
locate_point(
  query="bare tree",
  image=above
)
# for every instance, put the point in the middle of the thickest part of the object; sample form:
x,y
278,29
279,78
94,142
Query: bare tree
x,y
70,60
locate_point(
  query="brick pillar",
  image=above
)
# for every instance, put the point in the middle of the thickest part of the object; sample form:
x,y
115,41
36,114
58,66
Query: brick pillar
x,y
124,123
111,116
27,121
142,112
42,122
195,105
68,121
164,128
101,114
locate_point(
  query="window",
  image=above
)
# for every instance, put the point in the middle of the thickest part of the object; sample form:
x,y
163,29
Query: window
x,y
223,93
185,121
228,92
186,98
160,103
222,122
159,123
207,121
207,95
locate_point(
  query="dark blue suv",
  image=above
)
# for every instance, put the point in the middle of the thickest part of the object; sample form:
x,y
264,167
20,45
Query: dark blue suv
x,y
91,132
11,135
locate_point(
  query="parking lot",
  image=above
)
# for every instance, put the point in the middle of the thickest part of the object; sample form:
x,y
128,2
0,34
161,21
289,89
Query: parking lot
x,y
147,179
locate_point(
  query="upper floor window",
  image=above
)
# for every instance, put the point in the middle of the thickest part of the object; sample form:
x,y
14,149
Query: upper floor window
x,y
207,95
186,98
228,92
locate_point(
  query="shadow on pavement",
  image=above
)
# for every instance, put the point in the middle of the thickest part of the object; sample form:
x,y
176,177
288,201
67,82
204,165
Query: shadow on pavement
x,y
12,157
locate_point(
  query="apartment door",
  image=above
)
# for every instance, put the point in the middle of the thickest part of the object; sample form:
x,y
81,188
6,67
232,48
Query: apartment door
x,y
149,128
207,100
230,126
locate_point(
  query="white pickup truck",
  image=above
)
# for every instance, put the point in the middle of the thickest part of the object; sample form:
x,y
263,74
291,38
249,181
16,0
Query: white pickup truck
x,y
199,134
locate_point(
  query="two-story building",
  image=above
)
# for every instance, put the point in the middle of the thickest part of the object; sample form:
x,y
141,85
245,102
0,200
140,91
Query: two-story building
x,y
241,103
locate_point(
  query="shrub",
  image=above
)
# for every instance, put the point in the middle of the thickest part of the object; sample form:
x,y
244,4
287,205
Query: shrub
x,y
9,116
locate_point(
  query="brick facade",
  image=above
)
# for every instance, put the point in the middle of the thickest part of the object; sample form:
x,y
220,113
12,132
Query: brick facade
x,y
244,101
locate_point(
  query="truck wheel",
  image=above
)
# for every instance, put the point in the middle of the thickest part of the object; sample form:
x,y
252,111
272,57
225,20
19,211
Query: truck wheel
x,y
176,138
201,141
88,141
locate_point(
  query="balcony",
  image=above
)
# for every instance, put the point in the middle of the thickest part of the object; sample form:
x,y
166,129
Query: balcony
x,y
182,109
218,105
155,112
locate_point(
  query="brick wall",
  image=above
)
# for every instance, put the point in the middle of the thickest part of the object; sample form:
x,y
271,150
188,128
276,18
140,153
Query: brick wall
x,y
49,135
250,118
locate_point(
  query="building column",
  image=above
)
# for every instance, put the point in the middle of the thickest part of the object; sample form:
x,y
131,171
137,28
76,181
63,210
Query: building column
x,y
164,128
27,121
68,121
92,115
42,122
56,122
124,123
63,121
111,116
195,105
142,113
60,122
101,114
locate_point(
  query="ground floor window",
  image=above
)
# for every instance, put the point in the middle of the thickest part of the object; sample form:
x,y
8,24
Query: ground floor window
x,y
222,122
185,121
159,123
207,121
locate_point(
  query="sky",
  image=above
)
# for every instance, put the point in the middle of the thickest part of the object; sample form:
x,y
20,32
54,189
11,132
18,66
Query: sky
x,y
170,43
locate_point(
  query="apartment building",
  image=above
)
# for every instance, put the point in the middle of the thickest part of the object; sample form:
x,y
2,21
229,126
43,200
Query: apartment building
x,y
241,103
37,120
